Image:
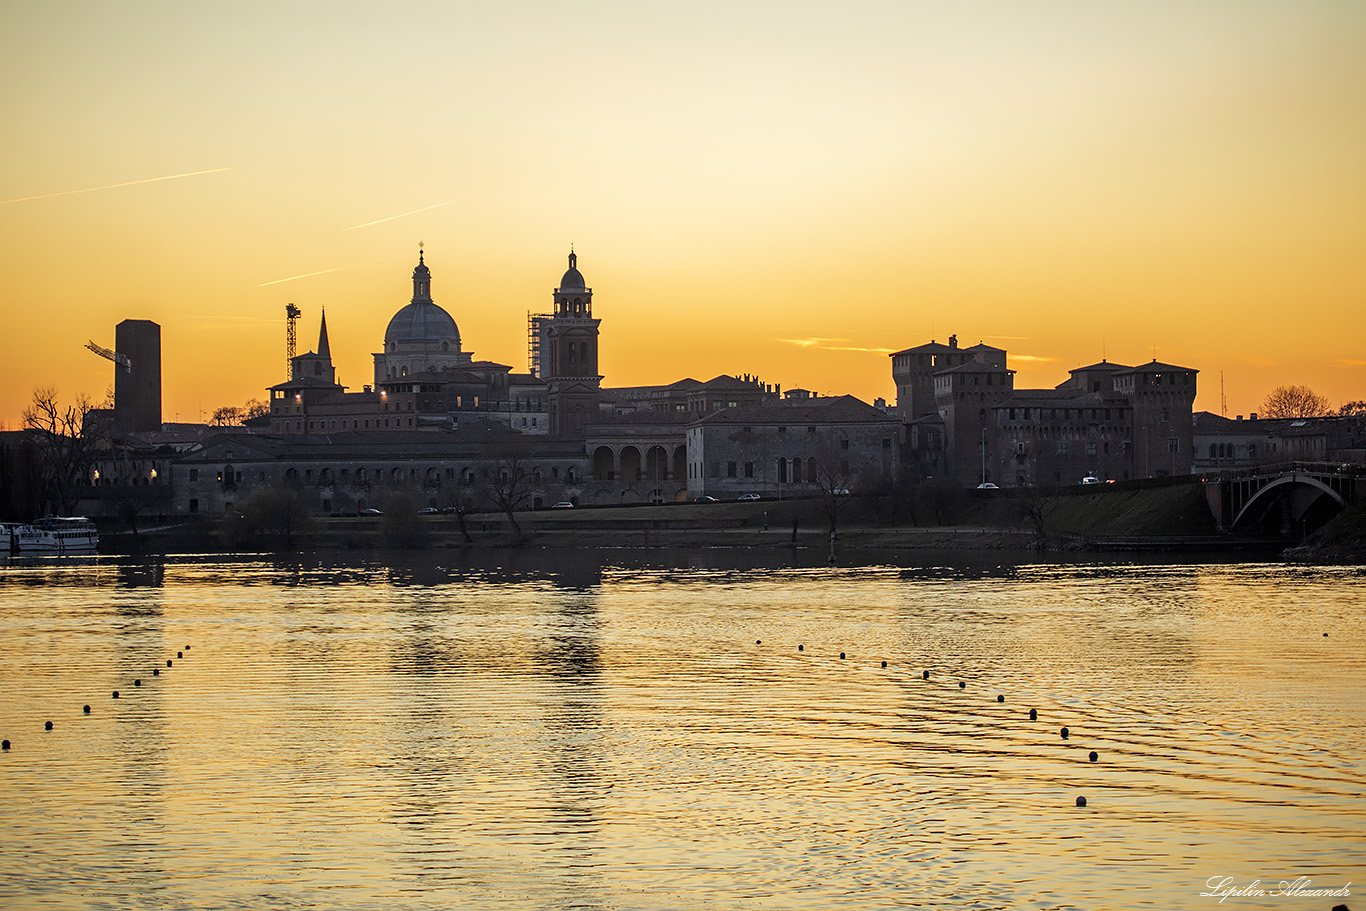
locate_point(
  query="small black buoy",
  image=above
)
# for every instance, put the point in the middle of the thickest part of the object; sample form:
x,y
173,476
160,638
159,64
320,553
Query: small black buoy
x,y
187,648
168,662
47,725
156,672
1325,635
85,709
1000,699
925,675
1033,714
884,664
1093,755
841,655
179,655
1081,801
137,682
801,647
758,642
962,685
4,744
1064,733
116,694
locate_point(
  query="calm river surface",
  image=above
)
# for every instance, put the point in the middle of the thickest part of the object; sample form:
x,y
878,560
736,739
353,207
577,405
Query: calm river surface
x,y
678,732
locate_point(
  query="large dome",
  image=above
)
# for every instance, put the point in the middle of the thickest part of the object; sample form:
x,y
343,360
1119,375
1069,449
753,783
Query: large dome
x,y
422,321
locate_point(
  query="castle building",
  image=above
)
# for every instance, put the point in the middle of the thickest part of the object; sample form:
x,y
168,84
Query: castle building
x,y
965,420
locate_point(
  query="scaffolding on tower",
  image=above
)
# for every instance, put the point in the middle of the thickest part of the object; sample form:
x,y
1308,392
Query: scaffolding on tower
x,y
535,340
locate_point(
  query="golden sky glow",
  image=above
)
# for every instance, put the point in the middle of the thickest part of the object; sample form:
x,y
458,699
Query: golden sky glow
x,y
785,189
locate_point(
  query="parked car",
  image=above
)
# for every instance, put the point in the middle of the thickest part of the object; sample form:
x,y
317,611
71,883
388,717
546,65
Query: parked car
x,y
704,499
428,511
748,496
563,504
1090,479
372,511
987,485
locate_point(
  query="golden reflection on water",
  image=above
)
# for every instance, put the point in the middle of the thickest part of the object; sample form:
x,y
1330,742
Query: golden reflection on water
x,y
637,737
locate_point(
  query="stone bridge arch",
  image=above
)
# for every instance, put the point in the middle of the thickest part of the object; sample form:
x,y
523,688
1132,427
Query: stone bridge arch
x,y
1287,501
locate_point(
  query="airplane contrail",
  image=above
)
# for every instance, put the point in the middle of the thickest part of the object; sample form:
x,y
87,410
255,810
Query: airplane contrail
x,y
113,186
305,275
380,221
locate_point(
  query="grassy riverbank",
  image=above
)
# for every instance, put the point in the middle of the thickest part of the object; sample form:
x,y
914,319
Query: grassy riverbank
x,y
1139,516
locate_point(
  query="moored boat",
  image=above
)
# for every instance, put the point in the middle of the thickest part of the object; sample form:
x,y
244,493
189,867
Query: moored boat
x,y
55,535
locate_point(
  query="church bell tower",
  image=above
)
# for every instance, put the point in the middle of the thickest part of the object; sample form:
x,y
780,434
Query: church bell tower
x,y
571,368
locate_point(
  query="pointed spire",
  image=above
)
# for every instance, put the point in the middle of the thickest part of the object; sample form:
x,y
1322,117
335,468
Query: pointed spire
x,y
324,350
573,258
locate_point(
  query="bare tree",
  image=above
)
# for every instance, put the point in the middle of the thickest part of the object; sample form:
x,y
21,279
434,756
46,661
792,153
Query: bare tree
x,y
67,444
1036,508
507,482
1356,409
836,475
1293,402
227,415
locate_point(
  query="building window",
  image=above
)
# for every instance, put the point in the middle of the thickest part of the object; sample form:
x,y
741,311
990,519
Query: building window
x,y
194,476
1091,449
194,505
730,469
1173,444
749,469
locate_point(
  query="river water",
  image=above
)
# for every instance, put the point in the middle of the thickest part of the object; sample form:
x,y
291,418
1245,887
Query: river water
x,y
679,731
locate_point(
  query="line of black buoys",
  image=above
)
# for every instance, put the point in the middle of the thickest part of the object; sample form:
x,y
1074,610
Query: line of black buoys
x,y
1081,801
116,694
924,675
1000,698
1065,733
1093,755
1033,714
4,744
137,682
47,725
86,709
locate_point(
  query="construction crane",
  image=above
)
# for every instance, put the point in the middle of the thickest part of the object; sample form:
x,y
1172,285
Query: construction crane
x,y
120,359
292,314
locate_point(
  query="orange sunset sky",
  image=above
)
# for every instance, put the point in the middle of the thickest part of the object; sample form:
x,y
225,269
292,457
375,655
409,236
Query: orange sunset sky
x,y
791,190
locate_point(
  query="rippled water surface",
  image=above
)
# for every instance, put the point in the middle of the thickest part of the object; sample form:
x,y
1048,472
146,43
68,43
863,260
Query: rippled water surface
x,y
579,734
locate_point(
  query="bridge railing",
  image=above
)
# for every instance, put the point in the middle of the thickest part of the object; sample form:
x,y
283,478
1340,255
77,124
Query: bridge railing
x,y
1274,469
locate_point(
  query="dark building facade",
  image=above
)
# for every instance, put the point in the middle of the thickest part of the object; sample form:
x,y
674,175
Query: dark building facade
x,y
137,389
965,420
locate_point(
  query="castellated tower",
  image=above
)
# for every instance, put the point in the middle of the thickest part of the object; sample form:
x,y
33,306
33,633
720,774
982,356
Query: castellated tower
x,y
571,357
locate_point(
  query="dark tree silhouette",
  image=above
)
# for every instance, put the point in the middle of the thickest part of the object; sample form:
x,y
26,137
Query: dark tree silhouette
x,y
1293,402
